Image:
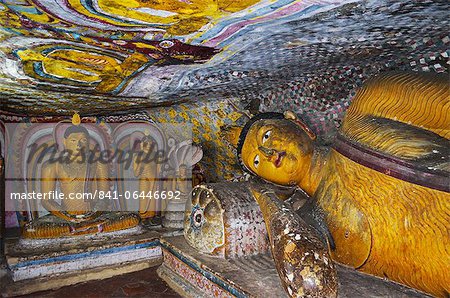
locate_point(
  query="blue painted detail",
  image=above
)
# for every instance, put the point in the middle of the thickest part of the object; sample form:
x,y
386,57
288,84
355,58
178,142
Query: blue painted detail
x,y
191,217
12,31
38,69
25,9
14,52
206,274
73,257
124,81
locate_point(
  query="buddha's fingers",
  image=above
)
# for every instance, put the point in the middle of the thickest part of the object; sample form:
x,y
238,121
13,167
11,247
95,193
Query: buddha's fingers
x,y
302,261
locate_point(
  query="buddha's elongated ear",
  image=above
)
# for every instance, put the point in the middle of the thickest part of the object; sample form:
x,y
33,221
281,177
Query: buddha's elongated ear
x,y
231,134
291,116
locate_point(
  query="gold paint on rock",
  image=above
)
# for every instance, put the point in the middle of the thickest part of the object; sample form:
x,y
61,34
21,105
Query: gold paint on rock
x,y
176,17
78,65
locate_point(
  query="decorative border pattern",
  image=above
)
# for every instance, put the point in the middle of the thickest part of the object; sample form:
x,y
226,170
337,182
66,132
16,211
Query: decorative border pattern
x,y
186,268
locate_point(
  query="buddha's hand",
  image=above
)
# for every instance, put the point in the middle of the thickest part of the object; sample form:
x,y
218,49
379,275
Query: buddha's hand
x,y
87,227
78,218
63,215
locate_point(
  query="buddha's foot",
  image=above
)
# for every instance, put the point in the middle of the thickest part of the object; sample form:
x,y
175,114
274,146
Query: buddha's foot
x,y
50,226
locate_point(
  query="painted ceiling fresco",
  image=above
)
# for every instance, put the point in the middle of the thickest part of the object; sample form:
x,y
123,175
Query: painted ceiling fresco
x,y
108,56
99,54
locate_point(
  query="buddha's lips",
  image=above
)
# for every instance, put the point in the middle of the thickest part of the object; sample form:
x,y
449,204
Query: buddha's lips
x,y
280,156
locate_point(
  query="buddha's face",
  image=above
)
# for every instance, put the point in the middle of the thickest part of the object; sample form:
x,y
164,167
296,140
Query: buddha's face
x,y
147,145
76,143
278,151
183,171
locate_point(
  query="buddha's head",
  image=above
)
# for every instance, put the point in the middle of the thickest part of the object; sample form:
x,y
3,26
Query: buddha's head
x,y
182,170
275,148
148,144
76,139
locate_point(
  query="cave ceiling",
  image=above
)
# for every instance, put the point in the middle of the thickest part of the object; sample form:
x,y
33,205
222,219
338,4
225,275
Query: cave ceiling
x,y
99,57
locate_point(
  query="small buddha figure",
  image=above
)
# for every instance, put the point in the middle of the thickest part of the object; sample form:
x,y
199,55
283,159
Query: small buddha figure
x,y
146,167
182,181
79,212
383,188
181,187
181,158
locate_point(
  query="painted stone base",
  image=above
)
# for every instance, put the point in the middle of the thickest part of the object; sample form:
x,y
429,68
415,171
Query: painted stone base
x,y
195,275
192,274
174,215
48,264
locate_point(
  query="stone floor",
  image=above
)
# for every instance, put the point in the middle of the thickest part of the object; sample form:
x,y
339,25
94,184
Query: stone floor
x,y
145,283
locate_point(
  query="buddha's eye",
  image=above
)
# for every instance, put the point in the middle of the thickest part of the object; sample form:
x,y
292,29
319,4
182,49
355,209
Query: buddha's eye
x,y
256,161
266,136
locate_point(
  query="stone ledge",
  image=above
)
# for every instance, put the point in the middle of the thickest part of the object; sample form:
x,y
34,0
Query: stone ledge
x,y
190,273
9,288
38,265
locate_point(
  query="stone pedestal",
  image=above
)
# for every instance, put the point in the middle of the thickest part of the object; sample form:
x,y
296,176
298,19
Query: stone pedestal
x,y
193,274
37,265
174,215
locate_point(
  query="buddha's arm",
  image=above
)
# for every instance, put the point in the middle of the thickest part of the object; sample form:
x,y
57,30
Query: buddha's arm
x,y
100,186
48,183
149,173
418,98
401,140
147,185
102,179
137,166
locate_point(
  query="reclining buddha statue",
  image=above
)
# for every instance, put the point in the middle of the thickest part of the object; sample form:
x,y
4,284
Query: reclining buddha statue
x,y
382,188
78,176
